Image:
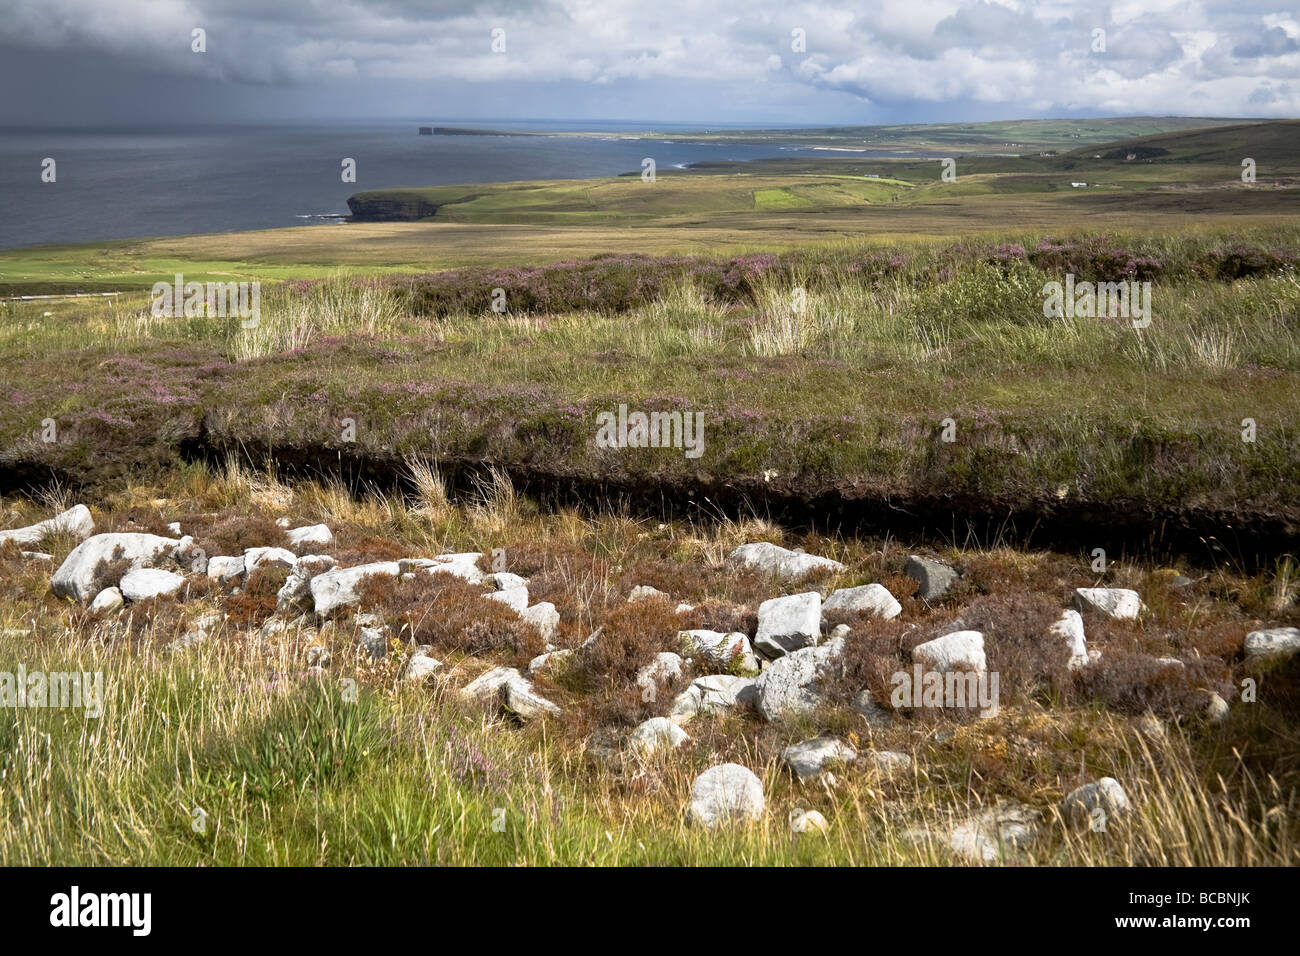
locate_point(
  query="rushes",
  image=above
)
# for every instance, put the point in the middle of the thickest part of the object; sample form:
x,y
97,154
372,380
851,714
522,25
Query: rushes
x,y
295,315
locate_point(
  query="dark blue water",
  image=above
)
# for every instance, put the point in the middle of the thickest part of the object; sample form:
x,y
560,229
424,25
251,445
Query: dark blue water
x,y
121,184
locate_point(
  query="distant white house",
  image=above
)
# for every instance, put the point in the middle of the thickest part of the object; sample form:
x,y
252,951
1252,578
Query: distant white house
x,y
1077,185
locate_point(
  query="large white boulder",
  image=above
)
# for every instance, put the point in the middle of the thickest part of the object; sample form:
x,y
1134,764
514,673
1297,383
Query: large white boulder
x,y
338,588
958,651
544,617
312,535
788,623
1275,642
257,558
1122,604
657,733
225,569
294,595
793,684
1069,631
727,793
782,562
144,583
515,598
874,598
75,521
75,577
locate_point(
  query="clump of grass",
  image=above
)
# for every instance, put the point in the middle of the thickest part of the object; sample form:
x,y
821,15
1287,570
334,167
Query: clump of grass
x,y
294,315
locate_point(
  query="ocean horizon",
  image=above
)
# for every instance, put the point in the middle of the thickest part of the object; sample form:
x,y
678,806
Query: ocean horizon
x,y
165,181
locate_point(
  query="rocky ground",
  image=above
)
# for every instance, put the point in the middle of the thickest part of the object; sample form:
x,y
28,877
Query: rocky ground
x,y
759,660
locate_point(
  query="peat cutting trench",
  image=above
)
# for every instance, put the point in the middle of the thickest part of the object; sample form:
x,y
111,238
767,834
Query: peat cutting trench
x,y
1248,540
1201,537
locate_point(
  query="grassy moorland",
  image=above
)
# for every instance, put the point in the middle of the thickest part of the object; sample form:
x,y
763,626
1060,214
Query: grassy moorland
x,y
871,356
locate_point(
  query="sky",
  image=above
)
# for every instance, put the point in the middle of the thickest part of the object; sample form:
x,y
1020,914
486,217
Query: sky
x,y
757,62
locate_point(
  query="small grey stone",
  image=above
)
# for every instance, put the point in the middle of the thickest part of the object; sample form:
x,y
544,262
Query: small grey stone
x,y
934,578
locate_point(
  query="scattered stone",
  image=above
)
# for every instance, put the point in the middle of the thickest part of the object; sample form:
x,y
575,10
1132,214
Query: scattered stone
x,y
338,588
791,685
657,733
888,763
809,758
934,578
282,522
724,649
36,555
1152,728
294,595
1277,642
644,592
1122,604
515,598
504,581
726,793
782,562
75,521
318,656
524,702
367,619
312,535
145,583
544,617
549,662
869,597
788,623
1106,794
710,694
188,639
506,687
840,631
808,821
998,832
224,569
420,668
1216,708
1069,629
256,558
75,577
488,686
958,651
271,626
374,641
107,601
463,565
684,608
664,669
865,705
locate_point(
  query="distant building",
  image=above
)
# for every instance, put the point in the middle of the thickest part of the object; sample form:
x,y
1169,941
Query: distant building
x,y
1077,185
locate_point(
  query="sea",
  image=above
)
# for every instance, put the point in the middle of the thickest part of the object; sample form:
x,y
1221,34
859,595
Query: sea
x,y
129,183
